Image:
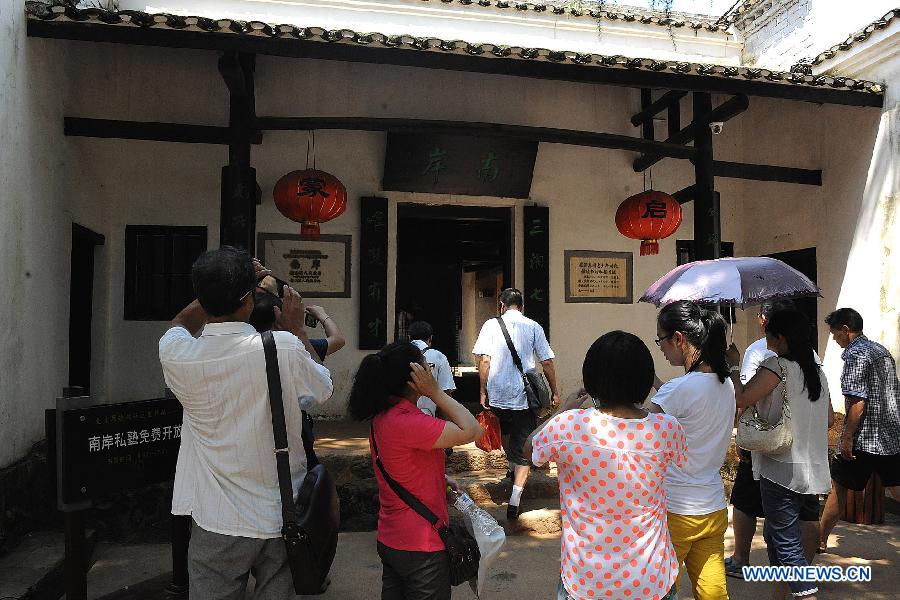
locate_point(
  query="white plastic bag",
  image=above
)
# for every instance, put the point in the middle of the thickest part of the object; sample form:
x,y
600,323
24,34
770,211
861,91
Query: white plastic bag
x,y
489,545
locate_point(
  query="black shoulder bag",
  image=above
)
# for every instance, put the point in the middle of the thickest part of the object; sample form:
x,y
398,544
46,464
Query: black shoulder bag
x,y
535,388
461,546
311,520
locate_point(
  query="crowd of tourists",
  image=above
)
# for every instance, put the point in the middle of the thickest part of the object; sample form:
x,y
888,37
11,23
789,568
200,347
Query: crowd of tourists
x,y
638,459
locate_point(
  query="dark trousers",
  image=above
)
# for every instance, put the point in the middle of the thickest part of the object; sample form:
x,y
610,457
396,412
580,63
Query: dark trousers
x,y
414,575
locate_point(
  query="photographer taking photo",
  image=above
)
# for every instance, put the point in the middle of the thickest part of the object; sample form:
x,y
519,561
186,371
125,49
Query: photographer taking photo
x,y
226,478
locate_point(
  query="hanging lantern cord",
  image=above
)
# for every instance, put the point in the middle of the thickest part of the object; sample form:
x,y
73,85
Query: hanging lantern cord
x,y
311,147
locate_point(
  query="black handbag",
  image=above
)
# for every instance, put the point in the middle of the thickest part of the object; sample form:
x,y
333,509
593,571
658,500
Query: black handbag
x,y
536,391
462,548
312,519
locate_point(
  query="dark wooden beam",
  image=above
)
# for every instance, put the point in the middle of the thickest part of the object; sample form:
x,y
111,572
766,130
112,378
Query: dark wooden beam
x,y
647,131
725,111
665,101
684,195
673,121
237,221
432,59
738,170
520,132
707,226
158,132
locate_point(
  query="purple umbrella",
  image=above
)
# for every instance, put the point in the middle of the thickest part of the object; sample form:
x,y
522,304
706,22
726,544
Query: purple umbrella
x,y
745,280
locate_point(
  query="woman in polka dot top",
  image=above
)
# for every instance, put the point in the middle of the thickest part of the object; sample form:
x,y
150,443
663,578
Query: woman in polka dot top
x,y
612,461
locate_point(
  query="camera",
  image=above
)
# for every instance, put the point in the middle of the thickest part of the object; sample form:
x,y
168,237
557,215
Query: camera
x,y
716,127
311,321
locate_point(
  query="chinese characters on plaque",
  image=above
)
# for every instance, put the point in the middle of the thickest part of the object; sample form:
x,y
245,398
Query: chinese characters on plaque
x,y
106,448
373,250
315,268
594,276
459,164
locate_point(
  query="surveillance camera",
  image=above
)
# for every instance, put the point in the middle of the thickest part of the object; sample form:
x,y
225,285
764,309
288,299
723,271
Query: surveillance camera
x,y
716,127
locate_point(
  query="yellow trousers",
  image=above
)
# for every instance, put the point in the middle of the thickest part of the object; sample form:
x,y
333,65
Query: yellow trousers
x,y
699,542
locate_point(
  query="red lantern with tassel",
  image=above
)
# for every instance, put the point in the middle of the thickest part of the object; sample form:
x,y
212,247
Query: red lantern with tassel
x,y
310,197
649,216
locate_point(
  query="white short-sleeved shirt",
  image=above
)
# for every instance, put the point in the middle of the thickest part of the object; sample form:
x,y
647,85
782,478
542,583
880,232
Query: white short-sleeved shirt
x,y
440,369
225,477
504,385
615,543
704,407
756,353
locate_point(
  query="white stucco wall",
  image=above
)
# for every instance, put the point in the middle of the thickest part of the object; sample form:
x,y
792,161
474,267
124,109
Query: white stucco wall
x,y
35,233
107,184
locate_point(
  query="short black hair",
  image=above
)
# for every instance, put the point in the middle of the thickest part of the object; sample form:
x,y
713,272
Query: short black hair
x,y
221,278
772,306
420,330
618,370
845,316
263,316
511,297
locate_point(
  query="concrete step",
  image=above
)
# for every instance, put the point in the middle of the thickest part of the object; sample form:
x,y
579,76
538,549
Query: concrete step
x,y
35,568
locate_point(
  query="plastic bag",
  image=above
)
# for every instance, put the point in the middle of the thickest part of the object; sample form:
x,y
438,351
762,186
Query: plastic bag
x,y
491,426
490,537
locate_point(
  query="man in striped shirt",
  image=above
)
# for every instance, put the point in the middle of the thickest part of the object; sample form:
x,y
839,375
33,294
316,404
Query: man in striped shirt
x,y
225,478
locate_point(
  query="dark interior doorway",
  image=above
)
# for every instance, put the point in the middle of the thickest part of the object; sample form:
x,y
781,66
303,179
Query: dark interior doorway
x,y
81,300
452,263
804,261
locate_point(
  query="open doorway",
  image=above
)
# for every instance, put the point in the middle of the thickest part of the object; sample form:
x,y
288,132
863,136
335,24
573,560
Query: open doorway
x,y
804,261
81,302
452,263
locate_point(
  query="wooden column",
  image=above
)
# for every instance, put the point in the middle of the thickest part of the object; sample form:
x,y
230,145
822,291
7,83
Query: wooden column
x,y
237,224
707,227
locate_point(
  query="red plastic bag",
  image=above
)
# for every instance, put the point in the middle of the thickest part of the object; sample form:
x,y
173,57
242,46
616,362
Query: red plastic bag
x,y
491,426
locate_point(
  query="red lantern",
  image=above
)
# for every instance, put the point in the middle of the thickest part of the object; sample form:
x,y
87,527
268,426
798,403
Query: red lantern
x,y
649,216
310,197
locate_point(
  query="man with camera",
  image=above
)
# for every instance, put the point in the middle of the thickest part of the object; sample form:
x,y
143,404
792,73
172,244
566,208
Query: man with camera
x,y
226,477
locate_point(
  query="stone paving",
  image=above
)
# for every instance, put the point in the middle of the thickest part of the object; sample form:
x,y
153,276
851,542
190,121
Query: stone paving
x,y
527,568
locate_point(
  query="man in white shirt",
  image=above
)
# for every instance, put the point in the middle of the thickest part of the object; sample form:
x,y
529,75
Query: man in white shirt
x,y
421,334
745,496
502,388
226,477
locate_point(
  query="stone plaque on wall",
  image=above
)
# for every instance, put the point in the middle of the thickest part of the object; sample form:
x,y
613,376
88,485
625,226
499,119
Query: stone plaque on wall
x,y
594,276
315,268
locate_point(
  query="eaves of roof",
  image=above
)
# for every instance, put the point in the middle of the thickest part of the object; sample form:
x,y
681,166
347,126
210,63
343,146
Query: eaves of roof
x,y
805,66
632,15
116,21
736,11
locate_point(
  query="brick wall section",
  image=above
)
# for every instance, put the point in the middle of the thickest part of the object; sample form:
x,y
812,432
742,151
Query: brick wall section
x,y
778,33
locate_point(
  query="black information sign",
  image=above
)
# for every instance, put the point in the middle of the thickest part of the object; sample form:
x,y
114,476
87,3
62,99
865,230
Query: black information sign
x,y
373,256
459,164
104,448
536,289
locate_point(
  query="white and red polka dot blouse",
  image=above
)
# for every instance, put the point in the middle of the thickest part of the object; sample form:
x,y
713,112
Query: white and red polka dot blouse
x,y
615,542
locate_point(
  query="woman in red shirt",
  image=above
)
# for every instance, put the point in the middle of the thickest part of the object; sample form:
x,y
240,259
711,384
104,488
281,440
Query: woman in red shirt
x,y
410,444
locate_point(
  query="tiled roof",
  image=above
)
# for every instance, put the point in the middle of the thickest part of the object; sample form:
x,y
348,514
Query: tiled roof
x,y
737,11
138,19
805,66
630,15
